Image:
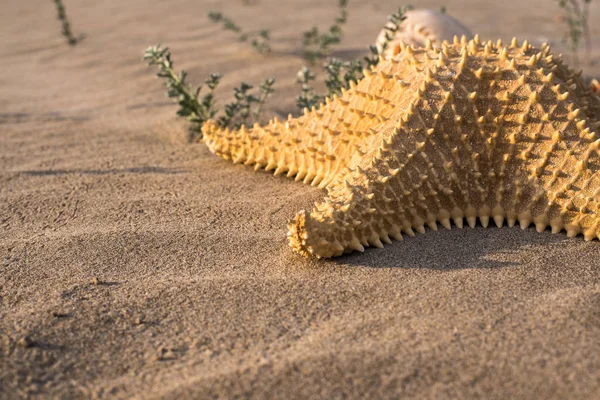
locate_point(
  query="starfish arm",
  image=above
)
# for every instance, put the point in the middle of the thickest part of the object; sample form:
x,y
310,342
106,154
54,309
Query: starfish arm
x,y
513,149
310,148
399,193
316,146
279,147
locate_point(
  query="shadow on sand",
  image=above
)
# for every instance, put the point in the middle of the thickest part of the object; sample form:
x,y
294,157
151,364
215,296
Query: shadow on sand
x,y
456,249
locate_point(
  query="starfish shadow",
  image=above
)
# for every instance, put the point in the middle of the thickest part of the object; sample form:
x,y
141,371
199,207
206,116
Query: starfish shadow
x,y
456,249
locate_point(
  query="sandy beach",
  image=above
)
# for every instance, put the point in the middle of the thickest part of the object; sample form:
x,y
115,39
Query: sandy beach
x,y
137,265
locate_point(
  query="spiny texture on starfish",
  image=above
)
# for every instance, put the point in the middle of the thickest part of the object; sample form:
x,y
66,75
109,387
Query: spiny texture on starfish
x,y
420,26
433,136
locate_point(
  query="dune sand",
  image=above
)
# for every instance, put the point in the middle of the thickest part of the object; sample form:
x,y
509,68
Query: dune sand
x,y
197,293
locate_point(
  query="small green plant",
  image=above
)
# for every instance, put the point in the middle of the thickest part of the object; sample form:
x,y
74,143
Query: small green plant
x,y
228,24
66,25
371,61
198,109
246,104
260,43
395,20
317,45
307,98
266,89
373,58
340,74
390,32
575,16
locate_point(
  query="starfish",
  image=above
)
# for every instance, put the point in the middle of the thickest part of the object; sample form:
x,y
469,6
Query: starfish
x,y
435,136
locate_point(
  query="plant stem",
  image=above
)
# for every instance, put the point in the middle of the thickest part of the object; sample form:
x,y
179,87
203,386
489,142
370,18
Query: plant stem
x,y
265,90
260,43
319,45
66,25
576,16
189,107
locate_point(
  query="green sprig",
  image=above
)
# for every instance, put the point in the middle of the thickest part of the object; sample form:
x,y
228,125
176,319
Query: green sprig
x,y
196,110
340,74
576,15
395,20
307,98
260,43
317,45
66,25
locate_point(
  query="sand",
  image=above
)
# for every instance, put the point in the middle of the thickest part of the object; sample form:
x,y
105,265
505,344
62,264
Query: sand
x,y
137,265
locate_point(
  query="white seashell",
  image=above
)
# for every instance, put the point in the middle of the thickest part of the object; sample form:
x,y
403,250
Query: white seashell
x,y
421,25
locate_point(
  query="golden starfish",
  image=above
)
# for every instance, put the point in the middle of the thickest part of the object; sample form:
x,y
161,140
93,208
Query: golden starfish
x,y
472,130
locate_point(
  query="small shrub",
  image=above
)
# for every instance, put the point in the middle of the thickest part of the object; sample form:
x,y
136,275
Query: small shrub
x,y
198,109
341,73
317,45
260,43
66,25
246,104
395,20
307,98
575,16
